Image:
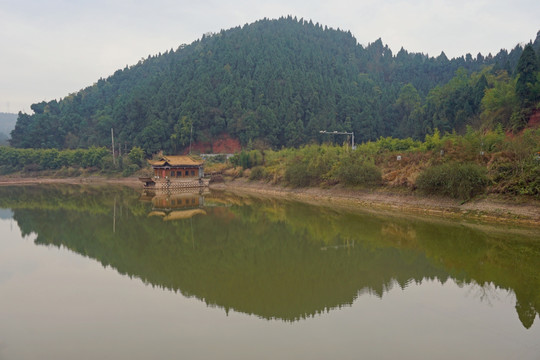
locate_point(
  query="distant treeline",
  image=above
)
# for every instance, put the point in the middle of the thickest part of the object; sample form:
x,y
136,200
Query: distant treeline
x,y
278,83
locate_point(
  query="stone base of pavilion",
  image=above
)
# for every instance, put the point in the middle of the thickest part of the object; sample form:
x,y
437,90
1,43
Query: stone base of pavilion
x,y
173,184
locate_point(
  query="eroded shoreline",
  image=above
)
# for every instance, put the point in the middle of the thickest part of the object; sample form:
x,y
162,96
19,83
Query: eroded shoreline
x,y
489,208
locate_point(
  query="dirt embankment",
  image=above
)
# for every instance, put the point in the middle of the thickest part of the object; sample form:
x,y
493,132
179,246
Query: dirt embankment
x,y
494,209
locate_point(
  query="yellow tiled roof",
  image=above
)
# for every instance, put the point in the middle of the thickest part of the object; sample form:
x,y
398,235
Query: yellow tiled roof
x,y
177,160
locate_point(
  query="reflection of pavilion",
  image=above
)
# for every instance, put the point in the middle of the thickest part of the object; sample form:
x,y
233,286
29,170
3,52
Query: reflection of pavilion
x,y
175,204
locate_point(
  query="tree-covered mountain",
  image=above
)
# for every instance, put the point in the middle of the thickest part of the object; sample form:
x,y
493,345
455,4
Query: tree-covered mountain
x,y
7,124
278,83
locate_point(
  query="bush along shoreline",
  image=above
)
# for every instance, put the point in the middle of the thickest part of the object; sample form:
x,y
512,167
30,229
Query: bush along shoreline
x,y
69,163
455,166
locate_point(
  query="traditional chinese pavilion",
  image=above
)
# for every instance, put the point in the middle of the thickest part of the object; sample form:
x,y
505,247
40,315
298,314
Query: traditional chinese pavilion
x,y
176,172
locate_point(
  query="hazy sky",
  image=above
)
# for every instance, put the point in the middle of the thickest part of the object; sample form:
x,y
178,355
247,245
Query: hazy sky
x,y
51,48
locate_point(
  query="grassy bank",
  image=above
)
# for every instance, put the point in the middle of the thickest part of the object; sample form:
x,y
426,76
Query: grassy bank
x,y
459,167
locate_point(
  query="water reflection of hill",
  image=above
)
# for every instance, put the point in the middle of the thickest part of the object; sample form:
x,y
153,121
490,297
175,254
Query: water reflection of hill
x,y
6,214
270,258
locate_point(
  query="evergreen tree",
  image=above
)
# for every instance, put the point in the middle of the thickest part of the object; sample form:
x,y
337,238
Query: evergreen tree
x,y
526,71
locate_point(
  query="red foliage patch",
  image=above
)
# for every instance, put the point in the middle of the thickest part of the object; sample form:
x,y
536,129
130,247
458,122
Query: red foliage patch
x,y
223,144
534,120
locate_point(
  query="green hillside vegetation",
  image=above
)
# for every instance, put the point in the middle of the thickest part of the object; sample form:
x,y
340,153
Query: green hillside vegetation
x,y
459,166
277,83
69,163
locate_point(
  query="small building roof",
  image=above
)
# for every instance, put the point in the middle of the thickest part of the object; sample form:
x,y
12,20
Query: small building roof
x,y
177,160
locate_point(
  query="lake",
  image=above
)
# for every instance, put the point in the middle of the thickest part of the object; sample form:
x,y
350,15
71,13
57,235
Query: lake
x,y
114,273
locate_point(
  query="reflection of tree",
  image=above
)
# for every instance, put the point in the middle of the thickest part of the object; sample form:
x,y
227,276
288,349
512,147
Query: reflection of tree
x,y
527,313
485,293
506,260
265,257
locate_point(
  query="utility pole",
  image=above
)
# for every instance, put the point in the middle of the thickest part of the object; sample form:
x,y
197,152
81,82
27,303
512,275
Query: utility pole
x,y
340,133
190,137
112,140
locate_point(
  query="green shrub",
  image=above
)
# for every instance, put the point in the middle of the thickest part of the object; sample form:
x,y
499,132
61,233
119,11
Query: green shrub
x,y
247,159
136,156
130,170
433,142
392,144
355,170
457,180
296,173
257,173
49,159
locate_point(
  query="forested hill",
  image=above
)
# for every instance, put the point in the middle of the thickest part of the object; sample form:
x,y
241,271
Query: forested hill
x,y
277,83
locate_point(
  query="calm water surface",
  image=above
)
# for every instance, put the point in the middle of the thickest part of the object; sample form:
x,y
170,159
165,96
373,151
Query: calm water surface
x,y
108,273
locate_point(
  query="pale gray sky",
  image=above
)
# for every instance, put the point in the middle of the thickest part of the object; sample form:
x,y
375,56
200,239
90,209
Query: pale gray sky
x,y
51,48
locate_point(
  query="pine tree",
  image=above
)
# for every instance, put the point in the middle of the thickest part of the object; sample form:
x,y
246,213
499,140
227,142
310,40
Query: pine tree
x,y
526,70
